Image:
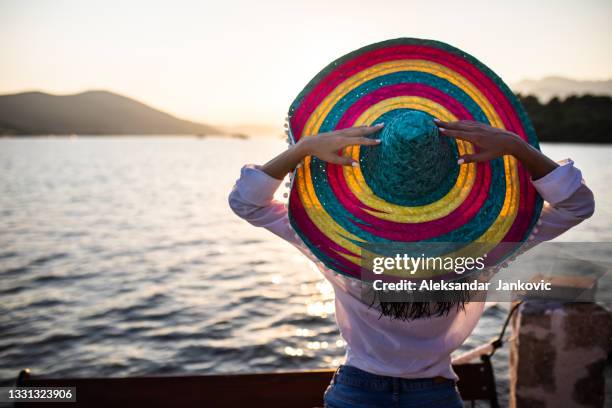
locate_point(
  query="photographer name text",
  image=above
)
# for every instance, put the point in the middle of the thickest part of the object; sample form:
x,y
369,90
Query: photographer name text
x,y
475,285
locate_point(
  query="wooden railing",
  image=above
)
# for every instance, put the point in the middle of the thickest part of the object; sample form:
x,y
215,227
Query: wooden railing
x,y
288,389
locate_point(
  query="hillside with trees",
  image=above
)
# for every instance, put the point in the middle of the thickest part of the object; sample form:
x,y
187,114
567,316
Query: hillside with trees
x,y
576,119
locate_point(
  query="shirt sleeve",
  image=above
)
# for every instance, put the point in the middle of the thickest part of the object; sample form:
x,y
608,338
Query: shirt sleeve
x,y
252,199
568,201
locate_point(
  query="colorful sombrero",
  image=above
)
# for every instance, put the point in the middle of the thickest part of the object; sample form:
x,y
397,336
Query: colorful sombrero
x,y
409,188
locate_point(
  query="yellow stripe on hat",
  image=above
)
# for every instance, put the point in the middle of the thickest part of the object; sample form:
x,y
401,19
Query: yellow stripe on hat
x,y
398,213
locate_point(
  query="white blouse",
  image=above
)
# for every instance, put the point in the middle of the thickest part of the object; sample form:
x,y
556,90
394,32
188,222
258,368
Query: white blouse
x,y
410,349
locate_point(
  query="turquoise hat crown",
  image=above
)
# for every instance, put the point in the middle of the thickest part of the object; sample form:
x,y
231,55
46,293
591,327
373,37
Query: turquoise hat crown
x,y
411,161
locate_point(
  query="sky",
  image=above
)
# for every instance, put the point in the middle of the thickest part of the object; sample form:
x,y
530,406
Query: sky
x,y
233,62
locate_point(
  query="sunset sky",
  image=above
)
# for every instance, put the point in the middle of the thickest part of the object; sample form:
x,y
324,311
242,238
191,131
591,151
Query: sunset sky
x,y
229,62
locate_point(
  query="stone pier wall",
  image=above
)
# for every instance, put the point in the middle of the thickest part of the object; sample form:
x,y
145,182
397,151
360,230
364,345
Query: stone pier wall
x,y
558,355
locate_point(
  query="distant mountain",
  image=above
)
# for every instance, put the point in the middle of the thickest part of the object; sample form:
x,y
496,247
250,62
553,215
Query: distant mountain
x,y
88,113
549,87
256,130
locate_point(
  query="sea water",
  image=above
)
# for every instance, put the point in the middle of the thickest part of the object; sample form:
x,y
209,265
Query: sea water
x,y
120,256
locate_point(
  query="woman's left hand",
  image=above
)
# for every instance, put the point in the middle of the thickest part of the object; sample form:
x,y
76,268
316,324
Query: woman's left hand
x,y
492,142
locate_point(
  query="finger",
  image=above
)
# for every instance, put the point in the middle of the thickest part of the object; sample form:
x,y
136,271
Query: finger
x,y
347,132
456,125
475,157
459,134
363,130
341,160
361,141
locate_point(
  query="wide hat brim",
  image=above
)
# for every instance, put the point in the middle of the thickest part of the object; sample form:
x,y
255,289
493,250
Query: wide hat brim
x,y
490,207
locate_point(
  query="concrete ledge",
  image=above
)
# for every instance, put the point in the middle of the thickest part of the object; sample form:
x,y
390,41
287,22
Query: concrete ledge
x,y
558,354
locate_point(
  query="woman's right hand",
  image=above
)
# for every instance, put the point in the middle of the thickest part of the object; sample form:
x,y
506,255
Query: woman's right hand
x,y
326,146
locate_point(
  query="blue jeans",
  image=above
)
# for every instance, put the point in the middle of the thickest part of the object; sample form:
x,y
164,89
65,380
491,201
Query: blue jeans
x,y
355,388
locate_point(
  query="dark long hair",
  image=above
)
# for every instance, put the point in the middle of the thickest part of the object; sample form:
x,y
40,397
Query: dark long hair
x,y
407,311
436,304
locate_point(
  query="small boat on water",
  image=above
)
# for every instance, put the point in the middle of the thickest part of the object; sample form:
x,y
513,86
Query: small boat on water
x,y
287,389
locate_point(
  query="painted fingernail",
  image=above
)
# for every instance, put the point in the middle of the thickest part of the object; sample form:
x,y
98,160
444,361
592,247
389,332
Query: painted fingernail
x,y
355,164
460,161
377,140
380,125
442,129
436,120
